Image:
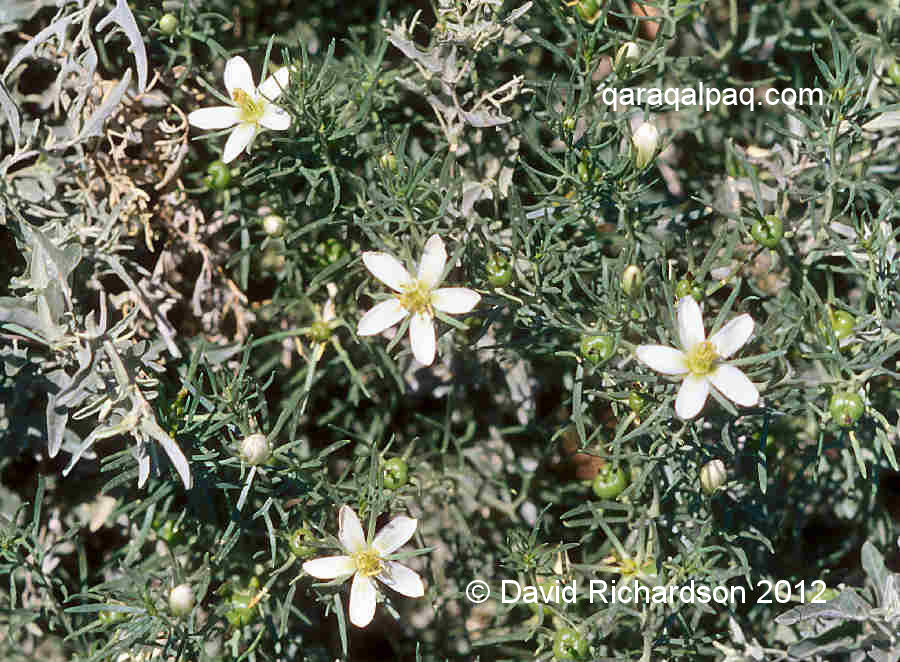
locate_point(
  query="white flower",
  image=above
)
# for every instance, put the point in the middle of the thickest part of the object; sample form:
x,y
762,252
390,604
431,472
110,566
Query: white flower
x,y
251,108
700,362
646,140
366,561
418,297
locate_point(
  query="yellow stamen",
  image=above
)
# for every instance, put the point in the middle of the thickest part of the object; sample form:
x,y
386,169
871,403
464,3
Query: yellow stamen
x,y
368,563
701,358
251,111
416,298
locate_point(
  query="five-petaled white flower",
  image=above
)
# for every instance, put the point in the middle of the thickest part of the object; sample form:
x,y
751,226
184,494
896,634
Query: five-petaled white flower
x,y
700,362
251,108
366,561
417,297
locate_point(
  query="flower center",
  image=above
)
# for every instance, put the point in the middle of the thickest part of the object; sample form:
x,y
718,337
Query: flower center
x,y
368,563
251,110
416,298
701,357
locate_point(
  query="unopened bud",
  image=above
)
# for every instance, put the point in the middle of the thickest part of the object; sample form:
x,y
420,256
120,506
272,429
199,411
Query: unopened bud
x,y
181,600
255,449
632,280
273,225
628,55
713,476
646,141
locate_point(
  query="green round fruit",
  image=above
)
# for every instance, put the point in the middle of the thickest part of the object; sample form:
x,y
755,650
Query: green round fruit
x,y
499,270
583,173
299,542
599,348
610,482
687,287
842,324
846,407
569,645
218,175
395,472
635,402
893,73
168,23
240,611
768,231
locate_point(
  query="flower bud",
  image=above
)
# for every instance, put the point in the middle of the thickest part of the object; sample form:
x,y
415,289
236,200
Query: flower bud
x,y
712,476
255,449
181,600
646,141
632,280
273,225
628,55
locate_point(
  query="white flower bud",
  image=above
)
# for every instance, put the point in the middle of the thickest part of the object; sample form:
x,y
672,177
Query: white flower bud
x,y
632,280
181,600
713,475
646,141
628,55
273,225
255,449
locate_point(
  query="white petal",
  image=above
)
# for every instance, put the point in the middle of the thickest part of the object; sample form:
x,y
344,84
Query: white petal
x,y
690,323
734,385
691,396
382,316
387,269
421,336
666,360
217,117
238,76
402,579
350,531
330,567
275,118
433,261
239,139
455,300
362,601
731,337
275,83
394,535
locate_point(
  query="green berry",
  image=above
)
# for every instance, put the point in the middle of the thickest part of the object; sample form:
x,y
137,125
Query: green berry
x,y
299,542
599,348
610,482
768,231
632,280
218,175
635,402
499,270
846,407
569,645
893,73
842,324
241,610
395,472
168,23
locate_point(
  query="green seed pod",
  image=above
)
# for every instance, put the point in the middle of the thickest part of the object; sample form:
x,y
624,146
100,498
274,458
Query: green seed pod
x,y
599,348
846,408
218,175
499,270
768,231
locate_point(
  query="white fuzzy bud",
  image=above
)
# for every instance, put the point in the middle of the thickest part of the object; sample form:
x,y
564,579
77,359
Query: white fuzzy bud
x,y
181,600
273,225
255,449
713,475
